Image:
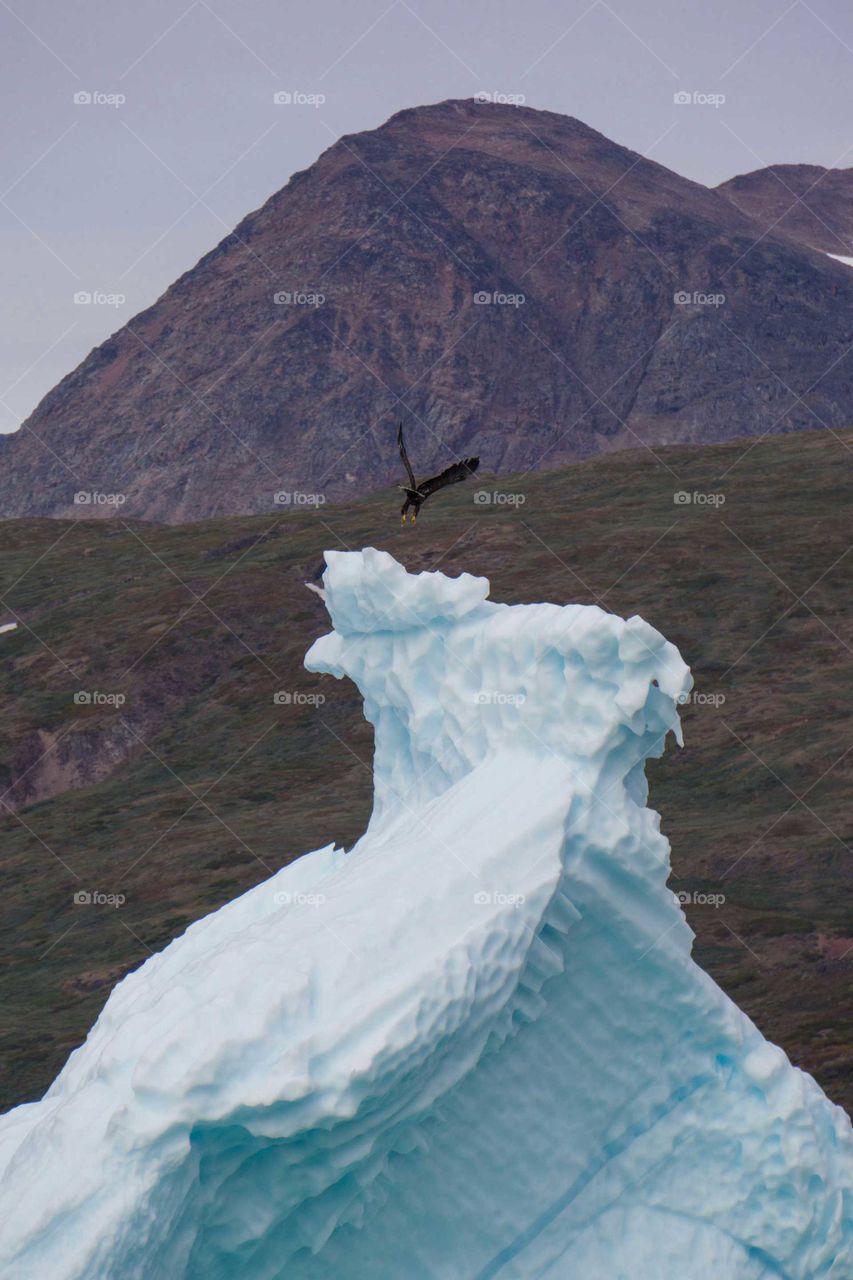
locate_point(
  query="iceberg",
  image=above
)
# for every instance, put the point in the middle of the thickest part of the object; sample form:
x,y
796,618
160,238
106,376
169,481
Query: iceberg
x,y
473,1046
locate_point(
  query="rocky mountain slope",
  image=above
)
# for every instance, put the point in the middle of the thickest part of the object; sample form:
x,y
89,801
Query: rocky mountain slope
x,y
509,280
202,756
807,203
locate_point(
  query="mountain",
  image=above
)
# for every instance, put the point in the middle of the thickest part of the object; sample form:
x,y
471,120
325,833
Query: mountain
x,y
806,203
654,310
474,1045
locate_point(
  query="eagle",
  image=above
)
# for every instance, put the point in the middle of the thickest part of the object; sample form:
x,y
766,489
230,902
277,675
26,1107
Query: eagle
x,y
417,494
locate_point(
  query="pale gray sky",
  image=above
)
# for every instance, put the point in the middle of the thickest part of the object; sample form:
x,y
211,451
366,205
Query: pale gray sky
x,y
118,200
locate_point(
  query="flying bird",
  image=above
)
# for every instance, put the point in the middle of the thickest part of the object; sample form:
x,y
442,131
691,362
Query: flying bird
x,y
417,494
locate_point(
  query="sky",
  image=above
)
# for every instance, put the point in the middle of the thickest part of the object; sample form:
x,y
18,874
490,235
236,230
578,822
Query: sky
x,y
136,136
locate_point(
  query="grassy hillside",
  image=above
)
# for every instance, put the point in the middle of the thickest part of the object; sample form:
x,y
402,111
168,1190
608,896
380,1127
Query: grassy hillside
x,y
201,784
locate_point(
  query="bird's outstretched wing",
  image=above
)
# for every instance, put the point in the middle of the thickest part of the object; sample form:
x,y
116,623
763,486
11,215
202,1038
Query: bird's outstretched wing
x,y
409,472
450,475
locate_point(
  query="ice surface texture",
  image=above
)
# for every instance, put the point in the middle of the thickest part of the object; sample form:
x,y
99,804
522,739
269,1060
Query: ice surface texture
x,y
474,1046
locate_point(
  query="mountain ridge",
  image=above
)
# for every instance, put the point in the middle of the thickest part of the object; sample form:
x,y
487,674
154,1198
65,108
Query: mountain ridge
x,y
785,200
216,398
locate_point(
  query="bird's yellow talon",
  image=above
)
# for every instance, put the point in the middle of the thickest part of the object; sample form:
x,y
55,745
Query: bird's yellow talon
x,y
417,494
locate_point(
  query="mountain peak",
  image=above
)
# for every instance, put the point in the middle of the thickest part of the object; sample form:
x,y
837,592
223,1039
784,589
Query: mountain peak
x,y
510,280
808,203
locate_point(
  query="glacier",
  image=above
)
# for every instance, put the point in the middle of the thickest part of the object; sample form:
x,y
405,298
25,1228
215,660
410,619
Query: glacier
x,y
473,1046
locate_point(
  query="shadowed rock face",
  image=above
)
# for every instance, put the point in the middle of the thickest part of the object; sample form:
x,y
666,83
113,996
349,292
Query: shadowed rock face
x,y
811,205
217,397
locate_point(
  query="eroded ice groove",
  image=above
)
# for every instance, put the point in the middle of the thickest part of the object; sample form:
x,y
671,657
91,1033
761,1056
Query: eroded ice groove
x,y
473,1046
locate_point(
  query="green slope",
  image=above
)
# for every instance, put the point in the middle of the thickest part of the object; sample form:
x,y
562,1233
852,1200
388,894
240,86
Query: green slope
x,y
201,784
